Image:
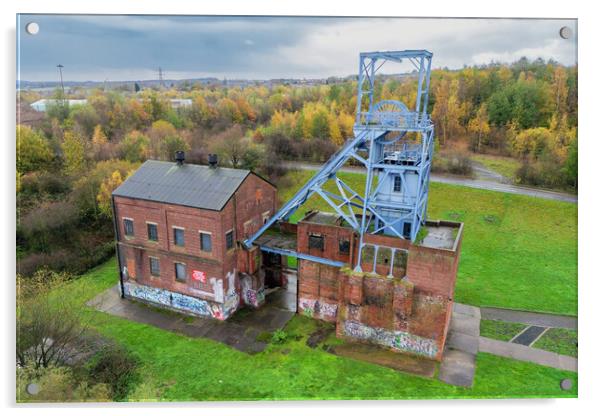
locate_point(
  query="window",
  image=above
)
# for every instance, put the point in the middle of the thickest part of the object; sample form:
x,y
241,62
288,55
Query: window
x,y
229,240
178,236
397,183
153,234
128,226
180,272
155,269
344,246
205,242
316,241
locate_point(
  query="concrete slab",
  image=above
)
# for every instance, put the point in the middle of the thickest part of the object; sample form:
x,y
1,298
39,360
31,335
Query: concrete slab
x,y
529,354
465,324
467,310
463,342
457,368
240,334
529,318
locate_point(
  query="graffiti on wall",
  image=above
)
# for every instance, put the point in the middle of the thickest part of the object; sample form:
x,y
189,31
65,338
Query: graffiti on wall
x,y
397,340
173,300
307,306
250,296
319,308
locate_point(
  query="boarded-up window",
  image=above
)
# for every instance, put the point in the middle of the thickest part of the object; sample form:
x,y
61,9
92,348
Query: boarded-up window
x,y
316,241
258,195
131,268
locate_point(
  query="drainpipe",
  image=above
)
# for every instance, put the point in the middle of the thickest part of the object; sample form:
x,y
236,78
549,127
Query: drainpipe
x,y
118,252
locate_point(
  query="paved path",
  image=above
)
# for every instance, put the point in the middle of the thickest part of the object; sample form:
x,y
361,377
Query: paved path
x,y
529,335
462,345
240,331
529,318
455,180
524,353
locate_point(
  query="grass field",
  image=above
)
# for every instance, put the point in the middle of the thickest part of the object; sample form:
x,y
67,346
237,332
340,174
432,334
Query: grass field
x,y
505,166
518,252
504,331
178,368
559,340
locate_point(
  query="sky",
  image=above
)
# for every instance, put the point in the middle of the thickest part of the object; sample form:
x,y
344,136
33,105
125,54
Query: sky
x,y
119,48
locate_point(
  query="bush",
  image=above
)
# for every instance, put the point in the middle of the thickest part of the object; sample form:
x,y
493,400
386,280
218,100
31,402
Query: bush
x,y
116,367
456,163
279,337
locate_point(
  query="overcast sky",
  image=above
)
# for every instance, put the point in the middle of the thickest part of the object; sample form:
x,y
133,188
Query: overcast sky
x,y
134,47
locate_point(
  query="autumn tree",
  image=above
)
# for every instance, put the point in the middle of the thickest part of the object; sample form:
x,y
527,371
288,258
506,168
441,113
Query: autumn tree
x,y
107,186
33,150
479,127
135,147
74,153
447,111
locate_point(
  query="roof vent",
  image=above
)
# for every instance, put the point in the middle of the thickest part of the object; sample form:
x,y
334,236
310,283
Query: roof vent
x,y
212,160
180,157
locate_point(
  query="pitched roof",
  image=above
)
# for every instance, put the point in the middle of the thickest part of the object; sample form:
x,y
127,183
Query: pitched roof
x,y
189,185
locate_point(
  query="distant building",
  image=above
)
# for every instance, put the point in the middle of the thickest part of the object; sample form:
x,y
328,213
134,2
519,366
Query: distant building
x,y
41,105
180,102
178,226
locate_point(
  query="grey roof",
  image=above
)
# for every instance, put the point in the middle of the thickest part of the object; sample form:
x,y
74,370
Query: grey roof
x,y
189,185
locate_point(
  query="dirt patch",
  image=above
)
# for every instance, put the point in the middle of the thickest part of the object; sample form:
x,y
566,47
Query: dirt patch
x,y
376,355
318,336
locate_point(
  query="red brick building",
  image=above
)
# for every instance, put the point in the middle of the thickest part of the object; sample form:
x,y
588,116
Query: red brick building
x,y
178,226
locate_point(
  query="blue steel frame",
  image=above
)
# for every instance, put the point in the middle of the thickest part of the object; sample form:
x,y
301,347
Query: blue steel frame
x,y
378,127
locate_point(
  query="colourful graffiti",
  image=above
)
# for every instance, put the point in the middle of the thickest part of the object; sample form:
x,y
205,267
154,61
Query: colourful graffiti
x,y
397,340
327,311
307,306
171,299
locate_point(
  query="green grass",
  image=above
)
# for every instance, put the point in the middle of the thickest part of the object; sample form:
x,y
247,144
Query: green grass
x,y
503,331
518,251
559,340
178,368
505,166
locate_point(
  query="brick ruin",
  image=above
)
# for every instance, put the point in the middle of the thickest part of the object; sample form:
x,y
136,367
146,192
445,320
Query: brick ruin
x,y
403,299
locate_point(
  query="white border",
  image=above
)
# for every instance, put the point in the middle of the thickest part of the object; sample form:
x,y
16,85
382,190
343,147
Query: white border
x,y
590,226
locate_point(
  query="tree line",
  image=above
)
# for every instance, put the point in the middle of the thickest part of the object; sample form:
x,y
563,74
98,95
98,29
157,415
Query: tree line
x,y
70,160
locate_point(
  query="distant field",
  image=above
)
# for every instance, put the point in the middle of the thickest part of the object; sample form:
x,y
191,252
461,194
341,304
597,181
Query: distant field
x,y
177,368
518,251
505,166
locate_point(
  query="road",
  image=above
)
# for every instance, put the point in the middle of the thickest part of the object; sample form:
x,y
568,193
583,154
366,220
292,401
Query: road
x,y
491,185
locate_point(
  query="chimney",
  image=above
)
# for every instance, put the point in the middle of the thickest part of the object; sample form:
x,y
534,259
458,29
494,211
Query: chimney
x,y
180,157
212,160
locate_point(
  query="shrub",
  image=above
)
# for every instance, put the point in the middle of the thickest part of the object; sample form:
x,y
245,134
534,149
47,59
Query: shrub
x,y
116,367
279,337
